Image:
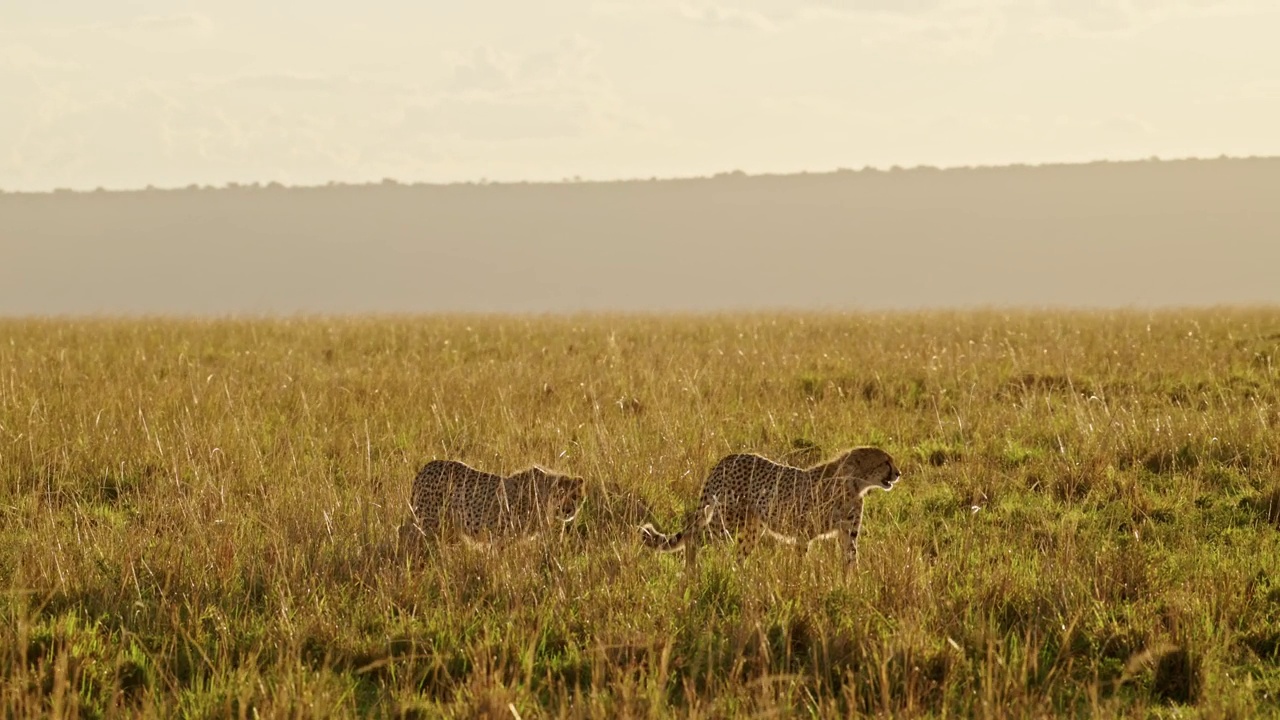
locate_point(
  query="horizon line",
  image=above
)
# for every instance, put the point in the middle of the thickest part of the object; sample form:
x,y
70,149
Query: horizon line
x,y
579,180
774,312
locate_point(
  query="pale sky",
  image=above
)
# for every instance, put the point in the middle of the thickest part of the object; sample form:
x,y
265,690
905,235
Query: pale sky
x,y
125,94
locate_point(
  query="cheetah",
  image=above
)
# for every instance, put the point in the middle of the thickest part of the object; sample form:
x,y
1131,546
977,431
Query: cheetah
x,y
452,499
752,495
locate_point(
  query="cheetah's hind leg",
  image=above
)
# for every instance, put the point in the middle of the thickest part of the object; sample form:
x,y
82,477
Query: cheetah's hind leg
x,y
694,532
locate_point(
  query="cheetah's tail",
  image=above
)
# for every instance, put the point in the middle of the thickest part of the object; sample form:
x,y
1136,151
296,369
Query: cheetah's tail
x,y
659,541
662,542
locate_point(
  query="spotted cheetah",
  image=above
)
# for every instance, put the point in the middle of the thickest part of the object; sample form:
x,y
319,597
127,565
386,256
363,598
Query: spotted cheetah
x,y
752,495
452,499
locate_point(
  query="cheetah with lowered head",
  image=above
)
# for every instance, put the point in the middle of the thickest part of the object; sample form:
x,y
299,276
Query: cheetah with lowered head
x,y
451,499
749,495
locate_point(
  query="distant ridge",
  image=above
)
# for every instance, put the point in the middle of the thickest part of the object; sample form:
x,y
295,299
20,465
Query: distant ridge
x,y
1103,234
736,174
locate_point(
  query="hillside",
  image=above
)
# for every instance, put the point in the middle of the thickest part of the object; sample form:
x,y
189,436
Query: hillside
x,y
1195,232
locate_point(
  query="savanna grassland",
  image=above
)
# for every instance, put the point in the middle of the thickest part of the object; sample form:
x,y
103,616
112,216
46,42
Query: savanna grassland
x,y
198,518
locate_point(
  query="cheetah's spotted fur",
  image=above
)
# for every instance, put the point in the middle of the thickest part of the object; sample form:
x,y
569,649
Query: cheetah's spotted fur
x,y
749,495
451,499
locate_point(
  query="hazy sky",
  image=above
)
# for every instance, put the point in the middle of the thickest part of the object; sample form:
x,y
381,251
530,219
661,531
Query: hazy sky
x,y
125,94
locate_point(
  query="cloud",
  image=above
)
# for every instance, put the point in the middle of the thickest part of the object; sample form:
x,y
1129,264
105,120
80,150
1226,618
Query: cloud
x,y
181,22
493,96
503,118
943,25
934,26
948,25
895,7
24,57
1116,126
769,15
720,16
484,69
1124,18
185,24
750,15
311,127
570,63
1267,90
285,82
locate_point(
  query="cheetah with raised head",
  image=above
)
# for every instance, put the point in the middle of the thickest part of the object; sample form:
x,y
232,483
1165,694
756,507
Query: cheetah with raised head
x,y
748,495
452,499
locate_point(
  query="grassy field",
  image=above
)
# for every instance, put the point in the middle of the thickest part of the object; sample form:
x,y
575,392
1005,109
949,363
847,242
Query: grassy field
x,y
198,518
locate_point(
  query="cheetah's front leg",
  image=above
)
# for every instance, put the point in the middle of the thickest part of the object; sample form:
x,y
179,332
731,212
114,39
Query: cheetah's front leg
x,y
850,526
801,544
747,537
849,530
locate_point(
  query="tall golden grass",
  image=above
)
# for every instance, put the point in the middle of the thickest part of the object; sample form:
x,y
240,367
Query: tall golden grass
x,y
199,518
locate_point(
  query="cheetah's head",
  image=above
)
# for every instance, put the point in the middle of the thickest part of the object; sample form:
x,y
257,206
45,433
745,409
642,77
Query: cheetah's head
x,y
565,493
870,469
572,491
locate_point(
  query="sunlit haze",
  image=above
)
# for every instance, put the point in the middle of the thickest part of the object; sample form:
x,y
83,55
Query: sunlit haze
x,y
129,94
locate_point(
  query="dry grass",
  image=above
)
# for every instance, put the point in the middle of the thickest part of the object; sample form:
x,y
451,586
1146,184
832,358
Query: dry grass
x,y
199,518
